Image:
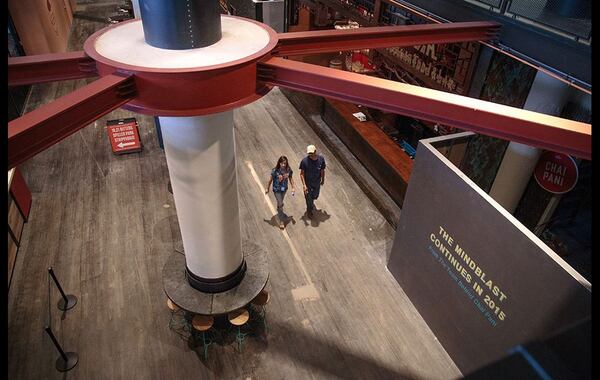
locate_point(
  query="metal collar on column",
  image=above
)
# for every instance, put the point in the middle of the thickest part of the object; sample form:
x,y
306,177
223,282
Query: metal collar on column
x,y
216,285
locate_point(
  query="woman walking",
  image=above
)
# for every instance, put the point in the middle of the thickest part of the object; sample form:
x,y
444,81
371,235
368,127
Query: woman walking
x,y
280,175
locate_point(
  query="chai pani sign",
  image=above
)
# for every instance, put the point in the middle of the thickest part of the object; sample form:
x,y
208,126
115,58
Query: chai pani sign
x,y
556,172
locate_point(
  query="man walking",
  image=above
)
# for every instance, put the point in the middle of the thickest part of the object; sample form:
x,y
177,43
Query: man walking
x,y
312,174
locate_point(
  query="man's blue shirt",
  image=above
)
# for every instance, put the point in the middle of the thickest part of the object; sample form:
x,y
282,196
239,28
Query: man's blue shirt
x,y
312,170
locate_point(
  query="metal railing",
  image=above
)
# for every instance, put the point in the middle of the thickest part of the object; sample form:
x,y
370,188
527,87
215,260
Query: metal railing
x,y
570,17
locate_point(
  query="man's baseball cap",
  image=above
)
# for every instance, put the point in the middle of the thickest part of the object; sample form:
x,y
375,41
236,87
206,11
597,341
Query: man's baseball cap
x,y
311,149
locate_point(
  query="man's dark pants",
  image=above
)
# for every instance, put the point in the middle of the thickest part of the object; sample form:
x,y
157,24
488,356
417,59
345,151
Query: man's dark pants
x,y
310,196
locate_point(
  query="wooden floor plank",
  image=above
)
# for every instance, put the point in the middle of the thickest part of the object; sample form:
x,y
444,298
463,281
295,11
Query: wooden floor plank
x,y
107,223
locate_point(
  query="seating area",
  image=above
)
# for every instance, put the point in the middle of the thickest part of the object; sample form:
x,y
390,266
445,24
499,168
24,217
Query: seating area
x,y
204,331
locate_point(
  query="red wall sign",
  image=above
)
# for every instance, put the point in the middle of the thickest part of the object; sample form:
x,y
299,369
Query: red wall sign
x,y
556,172
124,136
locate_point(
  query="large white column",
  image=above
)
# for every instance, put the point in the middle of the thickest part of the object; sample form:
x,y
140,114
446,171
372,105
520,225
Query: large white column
x,y
200,154
547,95
513,174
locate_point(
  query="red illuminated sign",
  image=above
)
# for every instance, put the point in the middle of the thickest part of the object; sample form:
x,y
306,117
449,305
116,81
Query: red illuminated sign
x,y
124,136
556,172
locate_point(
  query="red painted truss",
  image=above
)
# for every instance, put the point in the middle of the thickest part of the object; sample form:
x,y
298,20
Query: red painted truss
x,y
322,41
204,91
38,130
49,68
509,123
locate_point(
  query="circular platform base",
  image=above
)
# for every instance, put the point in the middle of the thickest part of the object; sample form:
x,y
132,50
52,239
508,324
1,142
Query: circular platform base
x,y
179,290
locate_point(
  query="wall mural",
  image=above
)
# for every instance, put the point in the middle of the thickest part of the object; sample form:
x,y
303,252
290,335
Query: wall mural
x,y
508,82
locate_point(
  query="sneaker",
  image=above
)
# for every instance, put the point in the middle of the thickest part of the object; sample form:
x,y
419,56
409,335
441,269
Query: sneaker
x,y
281,225
309,213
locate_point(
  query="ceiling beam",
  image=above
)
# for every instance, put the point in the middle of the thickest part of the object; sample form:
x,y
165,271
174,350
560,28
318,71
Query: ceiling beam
x,y
42,68
496,120
322,41
45,126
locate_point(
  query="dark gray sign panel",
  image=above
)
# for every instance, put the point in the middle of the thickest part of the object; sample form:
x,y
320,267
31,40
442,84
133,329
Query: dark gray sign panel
x,y
481,280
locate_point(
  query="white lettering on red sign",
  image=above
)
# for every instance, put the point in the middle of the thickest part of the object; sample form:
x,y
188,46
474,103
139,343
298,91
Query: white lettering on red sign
x,y
124,137
556,172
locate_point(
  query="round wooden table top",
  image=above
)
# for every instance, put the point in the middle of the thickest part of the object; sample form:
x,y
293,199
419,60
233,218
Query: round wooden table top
x,y
178,288
202,322
261,299
238,317
171,305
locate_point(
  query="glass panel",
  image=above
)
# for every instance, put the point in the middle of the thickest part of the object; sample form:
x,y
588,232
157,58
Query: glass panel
x,y
570,16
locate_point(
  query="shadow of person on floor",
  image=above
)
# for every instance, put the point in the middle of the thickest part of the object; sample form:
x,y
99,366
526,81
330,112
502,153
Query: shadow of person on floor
x,y
274,221
318,217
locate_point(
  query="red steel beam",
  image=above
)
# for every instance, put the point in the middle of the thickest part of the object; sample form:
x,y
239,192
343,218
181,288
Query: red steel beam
x,y
45,126
21,194
50,67
509,123
322,41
